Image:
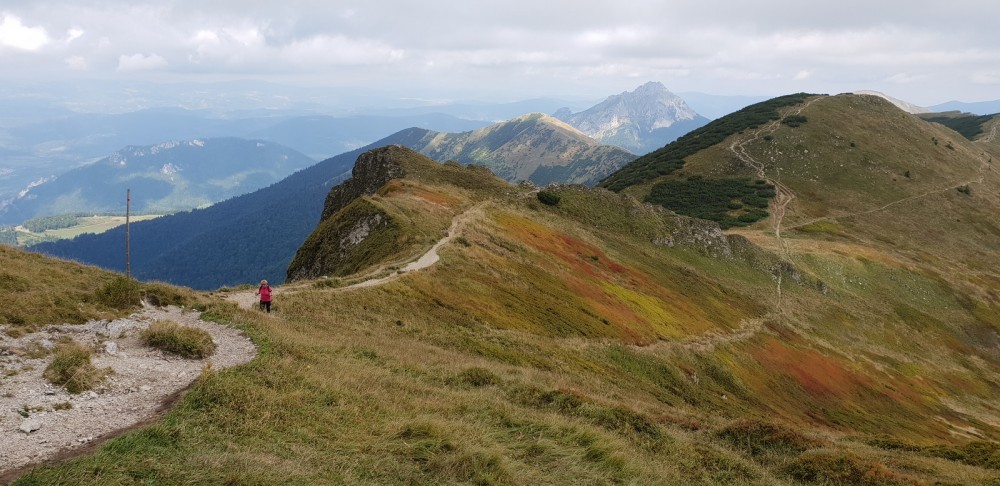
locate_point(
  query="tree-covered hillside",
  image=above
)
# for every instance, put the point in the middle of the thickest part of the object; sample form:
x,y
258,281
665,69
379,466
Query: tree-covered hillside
x,y
239,240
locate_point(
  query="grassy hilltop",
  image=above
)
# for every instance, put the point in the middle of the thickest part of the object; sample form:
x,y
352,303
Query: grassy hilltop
x,y
849,337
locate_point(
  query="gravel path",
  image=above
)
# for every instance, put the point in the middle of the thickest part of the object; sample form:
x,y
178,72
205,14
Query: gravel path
x,y
39,421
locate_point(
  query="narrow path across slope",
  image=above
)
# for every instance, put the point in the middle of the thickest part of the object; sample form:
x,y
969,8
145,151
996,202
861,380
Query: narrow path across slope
x,y
983,167
993,134
248,299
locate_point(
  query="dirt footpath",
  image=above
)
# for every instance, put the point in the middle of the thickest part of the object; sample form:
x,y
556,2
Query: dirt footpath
x,y
39,421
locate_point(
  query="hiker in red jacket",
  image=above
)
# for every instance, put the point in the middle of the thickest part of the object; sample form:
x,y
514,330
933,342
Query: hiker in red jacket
x,y
264,291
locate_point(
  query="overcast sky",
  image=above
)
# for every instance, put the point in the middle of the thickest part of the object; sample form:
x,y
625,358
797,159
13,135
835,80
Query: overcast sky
x,y
921,51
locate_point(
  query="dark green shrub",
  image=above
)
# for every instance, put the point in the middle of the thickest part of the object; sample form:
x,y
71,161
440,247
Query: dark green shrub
x,y
715,199
187,342
970,126
794,120
549,198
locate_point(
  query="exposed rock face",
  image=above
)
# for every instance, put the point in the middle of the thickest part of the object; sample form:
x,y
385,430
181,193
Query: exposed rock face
x,y
350,224
640,121
702,234
373,170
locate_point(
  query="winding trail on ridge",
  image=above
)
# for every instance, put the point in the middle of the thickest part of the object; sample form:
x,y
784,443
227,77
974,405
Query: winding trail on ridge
x,y
247,299
783,195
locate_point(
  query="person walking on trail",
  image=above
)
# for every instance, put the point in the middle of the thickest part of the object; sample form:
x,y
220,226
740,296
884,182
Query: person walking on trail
x,y
264,291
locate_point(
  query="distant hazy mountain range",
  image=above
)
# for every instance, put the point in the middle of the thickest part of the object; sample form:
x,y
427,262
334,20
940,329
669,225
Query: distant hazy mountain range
x,y
641,121
535,147
35,150
977,108
164,178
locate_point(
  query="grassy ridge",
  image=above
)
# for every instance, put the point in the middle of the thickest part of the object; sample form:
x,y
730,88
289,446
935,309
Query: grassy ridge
x,y
560,344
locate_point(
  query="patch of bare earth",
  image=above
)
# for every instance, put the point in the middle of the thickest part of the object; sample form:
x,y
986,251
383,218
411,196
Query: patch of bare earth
x,y
39,421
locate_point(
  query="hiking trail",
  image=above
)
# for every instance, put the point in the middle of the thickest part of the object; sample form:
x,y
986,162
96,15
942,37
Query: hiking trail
x,y
247,299
783,195
41,422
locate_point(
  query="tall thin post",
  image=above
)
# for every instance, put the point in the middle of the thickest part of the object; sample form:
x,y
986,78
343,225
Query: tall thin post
x,y
128,207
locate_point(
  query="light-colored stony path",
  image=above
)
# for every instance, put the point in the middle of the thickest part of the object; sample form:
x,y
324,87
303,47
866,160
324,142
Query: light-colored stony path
x,y
38,420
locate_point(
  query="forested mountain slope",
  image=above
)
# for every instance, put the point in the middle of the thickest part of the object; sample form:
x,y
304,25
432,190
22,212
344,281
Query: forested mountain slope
x,y
243,239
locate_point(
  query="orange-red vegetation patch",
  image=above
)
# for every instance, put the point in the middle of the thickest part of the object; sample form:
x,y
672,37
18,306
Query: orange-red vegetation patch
x,y
642,309
399,187
819,375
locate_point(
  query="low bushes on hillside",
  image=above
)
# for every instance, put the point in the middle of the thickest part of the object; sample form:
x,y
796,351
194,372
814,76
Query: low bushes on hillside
x,y
71,367
976,453
970,126
729,202
794,121
550,198
187,342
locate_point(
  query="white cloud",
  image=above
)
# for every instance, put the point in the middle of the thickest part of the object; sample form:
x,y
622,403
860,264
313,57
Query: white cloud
x,y
905,78
76,63
140,62
340,50
13,33
74,34
986,78
585,46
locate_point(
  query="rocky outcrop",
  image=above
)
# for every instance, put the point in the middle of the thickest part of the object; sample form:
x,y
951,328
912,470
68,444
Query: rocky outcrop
x,y
353,231
704,235
373,170
356,236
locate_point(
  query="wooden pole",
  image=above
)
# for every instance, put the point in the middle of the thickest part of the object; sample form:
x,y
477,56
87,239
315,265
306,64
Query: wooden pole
x,y
128,207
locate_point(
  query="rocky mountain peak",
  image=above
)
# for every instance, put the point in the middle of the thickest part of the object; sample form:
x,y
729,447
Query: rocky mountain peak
x,y
637,120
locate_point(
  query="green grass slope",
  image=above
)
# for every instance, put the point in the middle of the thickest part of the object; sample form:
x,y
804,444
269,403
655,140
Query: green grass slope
x,y
593,341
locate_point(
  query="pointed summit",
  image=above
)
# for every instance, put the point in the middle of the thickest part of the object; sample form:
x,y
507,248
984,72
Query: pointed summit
x,y
641,120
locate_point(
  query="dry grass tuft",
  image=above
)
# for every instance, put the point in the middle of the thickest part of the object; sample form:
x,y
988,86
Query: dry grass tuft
x,y
71,367
187,342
